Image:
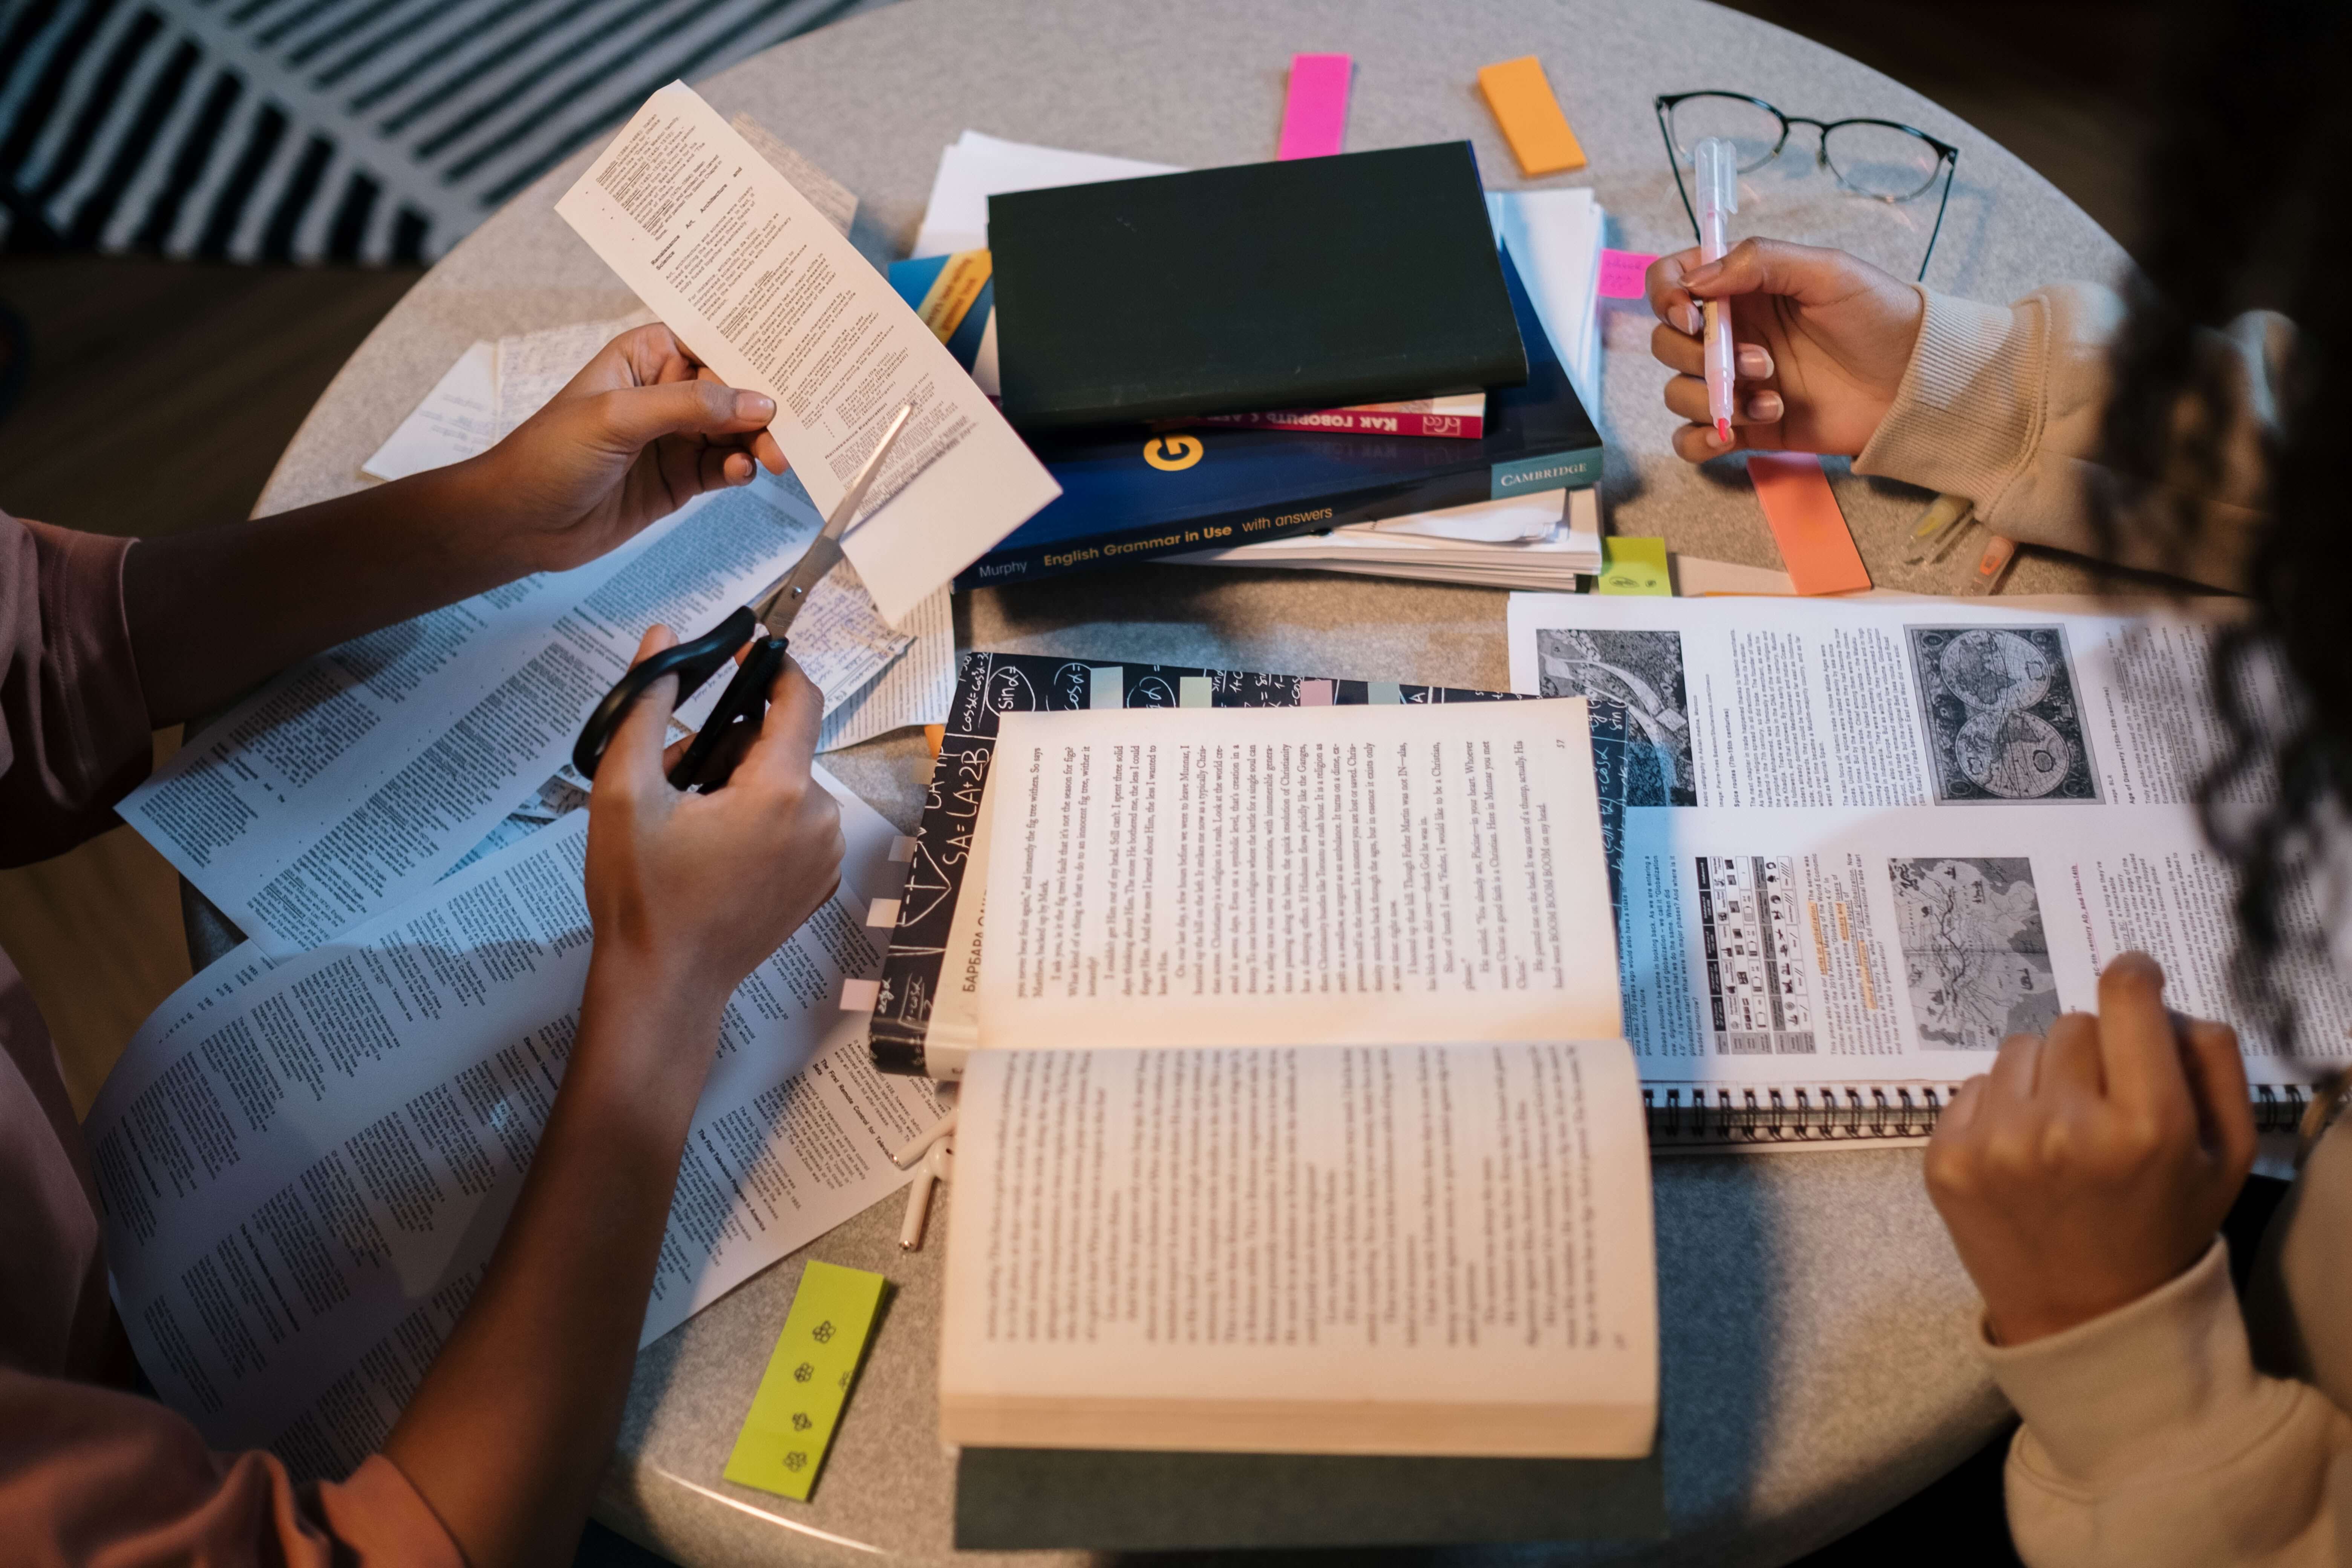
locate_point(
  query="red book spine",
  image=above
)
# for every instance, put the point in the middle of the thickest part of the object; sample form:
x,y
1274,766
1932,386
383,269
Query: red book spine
x,y
1357,421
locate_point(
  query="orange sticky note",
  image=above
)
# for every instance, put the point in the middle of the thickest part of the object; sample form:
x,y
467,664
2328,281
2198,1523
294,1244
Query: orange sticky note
x,y
1816,546
1521,98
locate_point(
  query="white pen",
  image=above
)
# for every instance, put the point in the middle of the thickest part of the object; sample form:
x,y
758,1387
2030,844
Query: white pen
x,y
1718,198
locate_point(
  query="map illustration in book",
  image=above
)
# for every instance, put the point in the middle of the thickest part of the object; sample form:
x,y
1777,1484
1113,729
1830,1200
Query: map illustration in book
x,y
933,964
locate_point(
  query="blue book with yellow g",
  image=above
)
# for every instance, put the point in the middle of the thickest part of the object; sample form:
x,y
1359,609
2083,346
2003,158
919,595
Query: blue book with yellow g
x,y
1129,494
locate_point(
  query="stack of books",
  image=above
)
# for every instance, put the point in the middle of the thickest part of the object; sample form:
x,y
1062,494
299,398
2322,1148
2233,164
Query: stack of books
x,y
1363,363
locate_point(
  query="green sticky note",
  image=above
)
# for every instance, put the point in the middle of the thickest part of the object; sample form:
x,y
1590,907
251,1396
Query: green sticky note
x,y
784,1440
1633,566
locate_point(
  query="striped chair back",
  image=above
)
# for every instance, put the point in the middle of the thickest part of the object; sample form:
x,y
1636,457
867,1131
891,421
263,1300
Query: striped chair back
x,y
328,130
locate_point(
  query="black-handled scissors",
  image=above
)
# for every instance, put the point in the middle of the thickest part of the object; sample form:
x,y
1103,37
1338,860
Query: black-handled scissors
x,y
768,616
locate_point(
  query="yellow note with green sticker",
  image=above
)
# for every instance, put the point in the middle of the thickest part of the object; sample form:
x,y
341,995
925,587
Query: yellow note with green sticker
x,y
1633,566
782,1443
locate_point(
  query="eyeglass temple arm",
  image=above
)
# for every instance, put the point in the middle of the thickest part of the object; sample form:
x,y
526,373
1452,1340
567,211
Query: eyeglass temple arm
x,y
1675,162
1951,170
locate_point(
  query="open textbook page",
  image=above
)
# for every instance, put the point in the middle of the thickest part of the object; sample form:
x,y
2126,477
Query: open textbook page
x,y
1814,947
1264,875
354,779
303,1168
764,290
1868,703
1403,1249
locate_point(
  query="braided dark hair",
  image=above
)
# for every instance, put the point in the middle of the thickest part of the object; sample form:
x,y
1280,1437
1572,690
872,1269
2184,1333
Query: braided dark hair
x,y
2258,121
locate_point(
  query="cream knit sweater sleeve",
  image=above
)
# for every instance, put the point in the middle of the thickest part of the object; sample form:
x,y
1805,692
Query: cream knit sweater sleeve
x,y
2002,404
2151,1441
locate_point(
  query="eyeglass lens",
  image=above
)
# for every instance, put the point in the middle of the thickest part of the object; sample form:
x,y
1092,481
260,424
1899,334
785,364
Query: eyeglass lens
x,y
1753,131
1881,161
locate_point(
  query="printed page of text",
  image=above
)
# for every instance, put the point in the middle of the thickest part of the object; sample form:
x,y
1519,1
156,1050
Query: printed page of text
x,y
753,279
303,1169
1271,876
1442,1224
354,779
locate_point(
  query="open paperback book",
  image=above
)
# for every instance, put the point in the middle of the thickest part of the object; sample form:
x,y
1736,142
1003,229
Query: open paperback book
x,y
1300,1121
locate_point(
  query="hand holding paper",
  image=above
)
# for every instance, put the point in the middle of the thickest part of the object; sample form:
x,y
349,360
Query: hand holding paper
x,y
764,290
641,429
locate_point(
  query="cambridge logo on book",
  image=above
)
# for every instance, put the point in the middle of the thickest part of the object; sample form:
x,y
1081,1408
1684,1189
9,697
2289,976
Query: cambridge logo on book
x,y
1170,453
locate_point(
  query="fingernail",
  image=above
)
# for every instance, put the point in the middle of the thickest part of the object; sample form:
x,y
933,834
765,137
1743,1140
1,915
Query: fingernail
x,y
1765,407
1707,274
1754,363
754,405
1686,318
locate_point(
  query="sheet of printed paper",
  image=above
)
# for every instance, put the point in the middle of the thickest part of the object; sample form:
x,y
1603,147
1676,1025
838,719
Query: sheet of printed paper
x,y
533,367
919,686
835,201
462,417
1243,876
303,1169
750,276
457,420
356,779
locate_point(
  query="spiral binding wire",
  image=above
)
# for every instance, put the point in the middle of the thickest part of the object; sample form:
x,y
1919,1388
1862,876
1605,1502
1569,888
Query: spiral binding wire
x,y
1852,1114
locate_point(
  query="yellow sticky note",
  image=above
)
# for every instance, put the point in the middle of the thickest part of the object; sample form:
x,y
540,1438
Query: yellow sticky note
x,y
1521,97
1633,566
784,1440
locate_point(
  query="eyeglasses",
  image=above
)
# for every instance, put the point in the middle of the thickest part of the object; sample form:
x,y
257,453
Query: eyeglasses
x,y
1882,159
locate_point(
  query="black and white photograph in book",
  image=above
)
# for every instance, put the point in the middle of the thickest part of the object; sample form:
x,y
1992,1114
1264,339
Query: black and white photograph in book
x,y
1643,670
2000,713
1976,958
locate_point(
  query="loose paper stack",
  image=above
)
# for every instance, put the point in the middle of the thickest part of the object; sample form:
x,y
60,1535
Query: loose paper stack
x,y
1550,539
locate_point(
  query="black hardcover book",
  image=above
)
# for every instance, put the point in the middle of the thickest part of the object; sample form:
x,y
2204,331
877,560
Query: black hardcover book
x,y
1315,283
1012,1500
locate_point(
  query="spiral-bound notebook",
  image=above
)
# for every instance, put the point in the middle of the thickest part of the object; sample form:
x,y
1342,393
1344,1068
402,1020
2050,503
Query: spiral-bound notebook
x,y
1759,987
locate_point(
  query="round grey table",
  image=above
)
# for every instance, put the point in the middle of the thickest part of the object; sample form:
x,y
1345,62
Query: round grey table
x,y
1817,1367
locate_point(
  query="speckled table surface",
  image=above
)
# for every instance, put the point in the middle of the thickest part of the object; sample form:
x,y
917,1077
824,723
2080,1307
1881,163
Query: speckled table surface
x,y
1815,1320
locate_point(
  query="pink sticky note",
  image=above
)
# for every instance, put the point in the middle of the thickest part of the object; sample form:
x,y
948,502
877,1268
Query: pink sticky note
x,y
1622,274
1315,116
1315,694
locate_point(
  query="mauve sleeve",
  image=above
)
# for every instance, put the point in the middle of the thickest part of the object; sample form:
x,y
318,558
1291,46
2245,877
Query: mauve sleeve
x,y
74,736
96,1477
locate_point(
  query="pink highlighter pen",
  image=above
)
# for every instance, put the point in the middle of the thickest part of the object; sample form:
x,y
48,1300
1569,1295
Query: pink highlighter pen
x,y
1718,198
